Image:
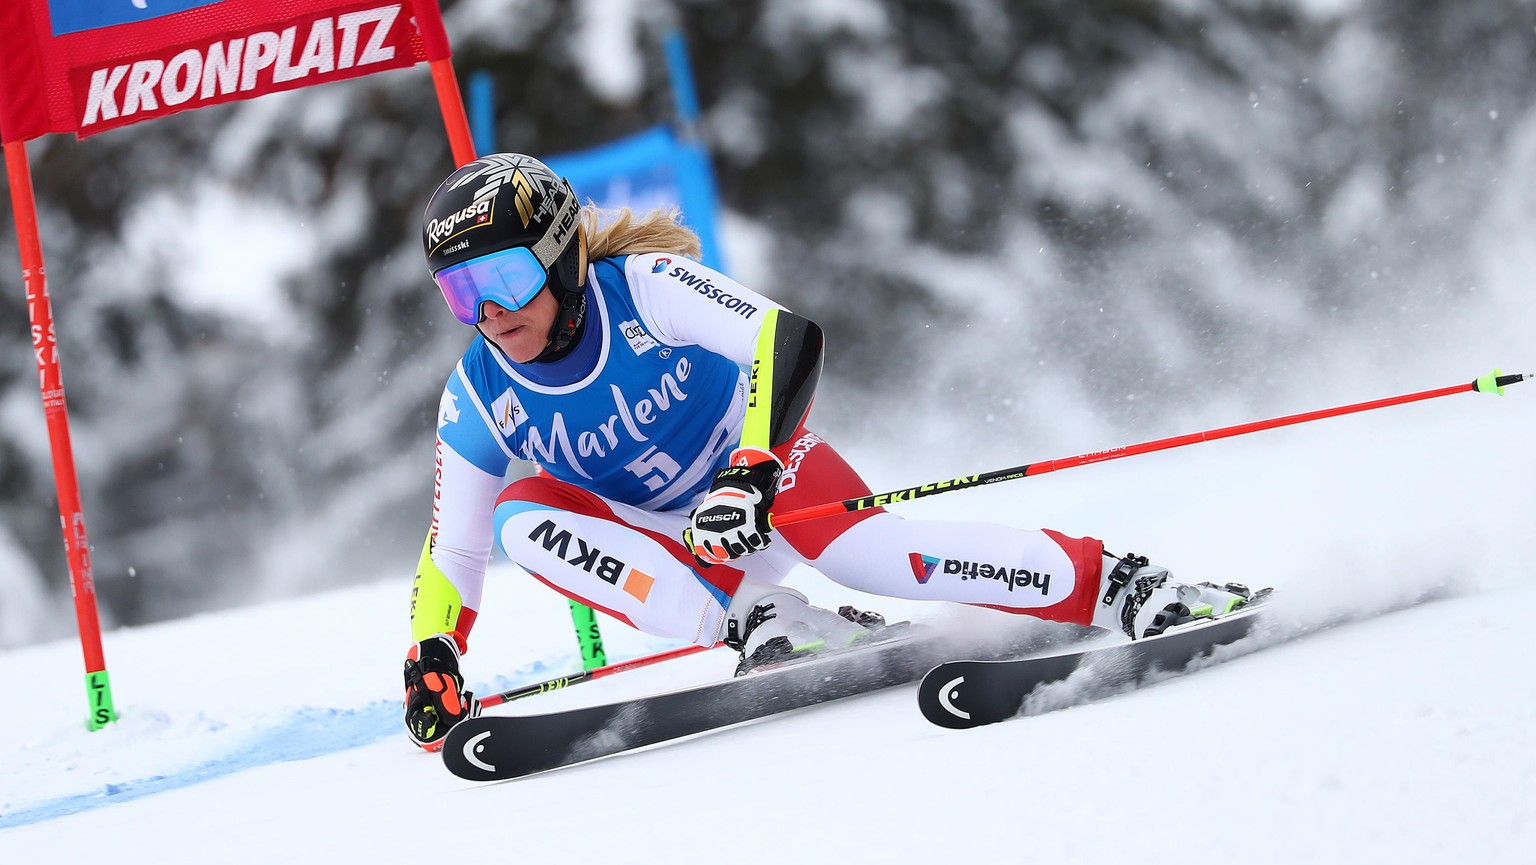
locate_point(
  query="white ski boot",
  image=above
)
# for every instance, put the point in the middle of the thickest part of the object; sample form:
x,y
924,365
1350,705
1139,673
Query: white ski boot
x,y
1140,600
773,624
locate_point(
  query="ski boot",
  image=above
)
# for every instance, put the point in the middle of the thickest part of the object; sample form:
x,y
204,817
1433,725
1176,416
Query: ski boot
x,y
435,698
1140,600
779,625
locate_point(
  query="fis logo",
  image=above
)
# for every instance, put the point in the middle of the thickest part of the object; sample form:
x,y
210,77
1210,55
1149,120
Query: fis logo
x,y
508,412
660,265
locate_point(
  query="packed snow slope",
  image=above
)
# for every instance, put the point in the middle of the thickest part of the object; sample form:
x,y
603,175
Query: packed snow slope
x,y
1391,716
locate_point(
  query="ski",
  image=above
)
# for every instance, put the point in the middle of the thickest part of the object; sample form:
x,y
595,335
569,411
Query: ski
x,y
964,694
499,747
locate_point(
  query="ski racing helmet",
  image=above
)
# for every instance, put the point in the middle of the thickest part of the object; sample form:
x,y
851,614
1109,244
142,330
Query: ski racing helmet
x,y
502,228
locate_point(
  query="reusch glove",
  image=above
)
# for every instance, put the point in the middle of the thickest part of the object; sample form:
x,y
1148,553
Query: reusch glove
x,y
435,698
732,521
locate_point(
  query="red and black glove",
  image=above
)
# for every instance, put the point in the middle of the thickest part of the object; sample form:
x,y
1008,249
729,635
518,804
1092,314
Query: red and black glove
x,y
435,698
732,521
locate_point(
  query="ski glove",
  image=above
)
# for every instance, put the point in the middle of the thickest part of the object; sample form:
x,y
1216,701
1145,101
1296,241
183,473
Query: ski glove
x,y
435,698
732,521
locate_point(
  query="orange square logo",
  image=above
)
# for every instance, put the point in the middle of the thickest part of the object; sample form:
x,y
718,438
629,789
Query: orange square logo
x,y
638,584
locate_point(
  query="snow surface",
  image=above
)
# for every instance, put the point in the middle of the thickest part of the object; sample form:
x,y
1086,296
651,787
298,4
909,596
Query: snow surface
x,y
1407,734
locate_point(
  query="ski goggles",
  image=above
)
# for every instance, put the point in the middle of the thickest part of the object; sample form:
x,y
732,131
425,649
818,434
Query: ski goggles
x,y
511,278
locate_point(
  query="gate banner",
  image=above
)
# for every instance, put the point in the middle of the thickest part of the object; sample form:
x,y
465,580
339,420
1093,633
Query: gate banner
x,y
86,66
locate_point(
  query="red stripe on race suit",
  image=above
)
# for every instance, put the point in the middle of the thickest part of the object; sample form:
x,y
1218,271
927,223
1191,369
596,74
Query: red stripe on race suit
x,y
545,490
1087,555
815,473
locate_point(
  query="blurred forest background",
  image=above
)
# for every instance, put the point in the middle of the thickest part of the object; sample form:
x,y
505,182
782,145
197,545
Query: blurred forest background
x,y
1005,214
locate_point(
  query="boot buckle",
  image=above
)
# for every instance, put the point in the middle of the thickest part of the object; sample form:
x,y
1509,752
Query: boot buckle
x,y
1121,575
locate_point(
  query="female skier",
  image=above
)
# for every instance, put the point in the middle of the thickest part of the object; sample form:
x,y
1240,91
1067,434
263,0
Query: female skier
x,y
664,407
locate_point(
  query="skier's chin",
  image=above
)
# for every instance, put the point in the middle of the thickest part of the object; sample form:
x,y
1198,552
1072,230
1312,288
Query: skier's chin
x,y
519,344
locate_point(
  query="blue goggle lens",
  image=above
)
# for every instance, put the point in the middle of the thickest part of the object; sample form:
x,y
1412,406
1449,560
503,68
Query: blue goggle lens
x,y
511,277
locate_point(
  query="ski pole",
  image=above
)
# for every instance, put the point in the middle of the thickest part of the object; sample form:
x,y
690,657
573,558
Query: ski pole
x,y
559,682
1494,382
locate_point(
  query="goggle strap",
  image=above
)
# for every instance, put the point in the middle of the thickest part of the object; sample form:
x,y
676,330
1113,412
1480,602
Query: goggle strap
x,y
547,250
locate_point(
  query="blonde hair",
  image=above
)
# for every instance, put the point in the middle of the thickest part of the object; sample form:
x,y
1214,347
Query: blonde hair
x,y
622,232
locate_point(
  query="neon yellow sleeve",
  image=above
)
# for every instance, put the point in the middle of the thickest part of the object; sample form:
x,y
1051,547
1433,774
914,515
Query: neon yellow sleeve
x,y
786,367
435,603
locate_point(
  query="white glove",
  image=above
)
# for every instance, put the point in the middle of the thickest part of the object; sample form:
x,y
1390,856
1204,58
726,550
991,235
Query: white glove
x,y
732,521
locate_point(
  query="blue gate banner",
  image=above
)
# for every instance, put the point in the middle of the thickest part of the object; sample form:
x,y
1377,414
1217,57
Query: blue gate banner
x,y
73,16
648,170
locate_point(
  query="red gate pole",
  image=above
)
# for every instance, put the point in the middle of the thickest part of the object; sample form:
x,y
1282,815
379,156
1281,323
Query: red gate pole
x,y
434,39
45,348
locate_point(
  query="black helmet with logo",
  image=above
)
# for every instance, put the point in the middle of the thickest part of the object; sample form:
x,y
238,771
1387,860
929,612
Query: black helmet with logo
x,y
502,202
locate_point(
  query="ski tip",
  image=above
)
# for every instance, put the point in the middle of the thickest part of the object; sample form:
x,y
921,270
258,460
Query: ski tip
x,y
1495,382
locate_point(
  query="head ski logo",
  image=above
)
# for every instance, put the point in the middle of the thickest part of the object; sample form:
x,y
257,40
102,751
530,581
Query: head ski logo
x,y
660,265
947,695
922,566
471,748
